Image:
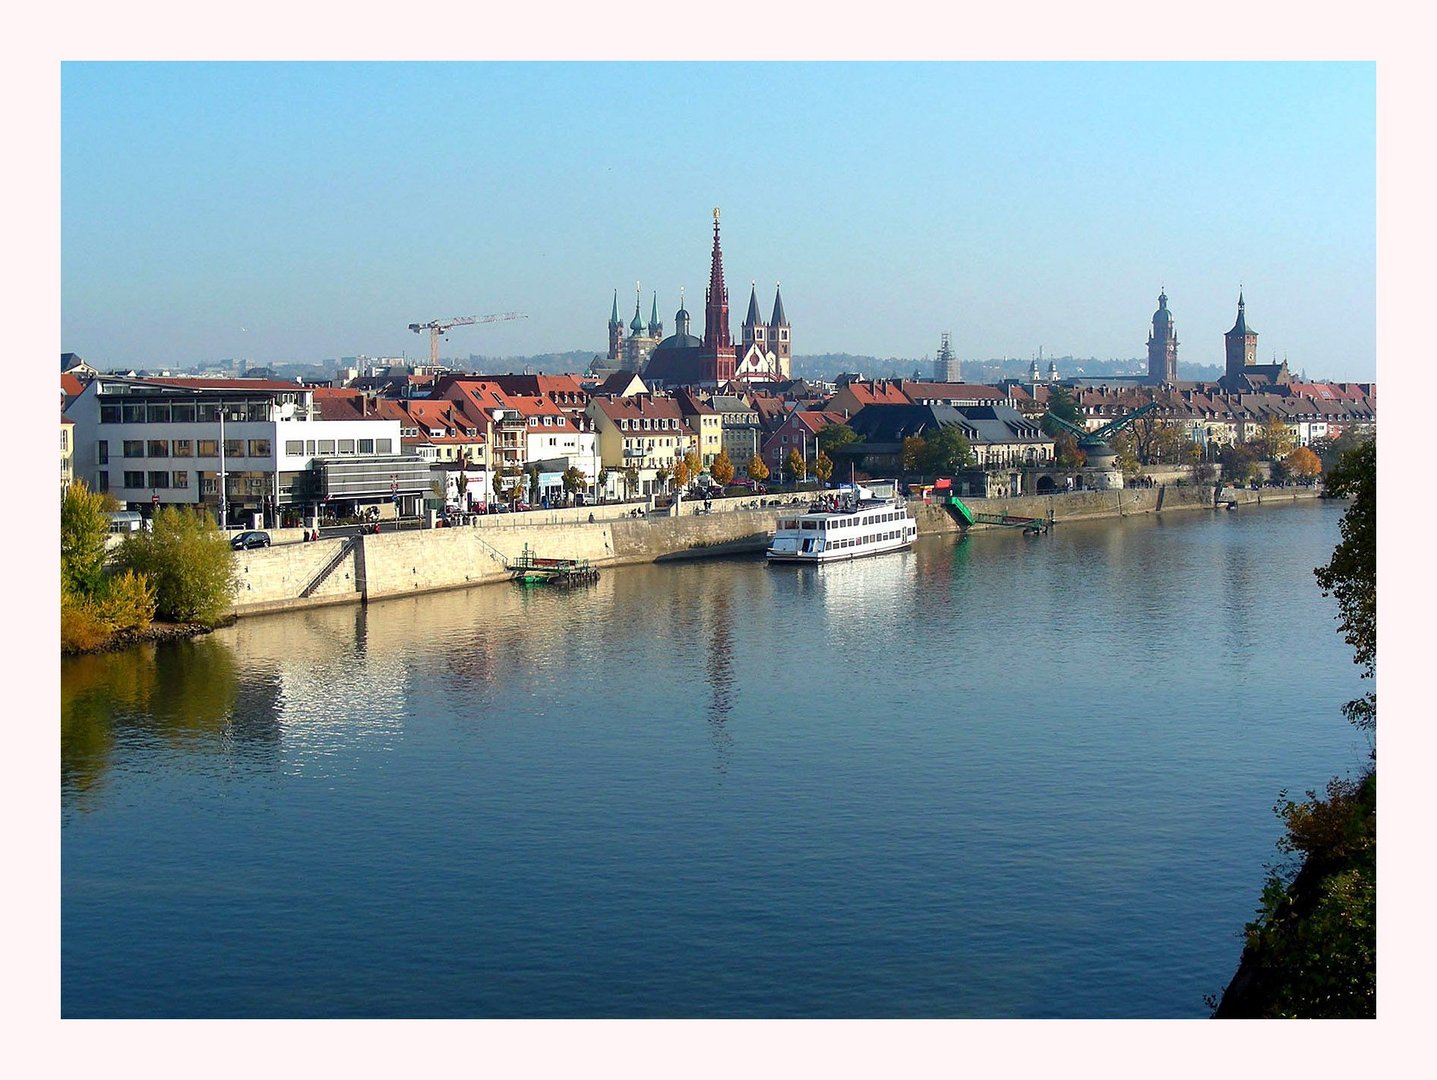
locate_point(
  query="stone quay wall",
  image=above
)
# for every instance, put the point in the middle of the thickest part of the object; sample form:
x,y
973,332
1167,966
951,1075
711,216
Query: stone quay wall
x,y
394,564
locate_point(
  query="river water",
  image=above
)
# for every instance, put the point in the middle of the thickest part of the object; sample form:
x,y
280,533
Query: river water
x,y
1004,777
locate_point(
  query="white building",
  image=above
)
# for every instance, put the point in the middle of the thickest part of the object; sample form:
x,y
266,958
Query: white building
x,y
153,441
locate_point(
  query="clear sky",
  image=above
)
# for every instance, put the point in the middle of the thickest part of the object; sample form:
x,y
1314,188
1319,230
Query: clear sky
x,y
302,211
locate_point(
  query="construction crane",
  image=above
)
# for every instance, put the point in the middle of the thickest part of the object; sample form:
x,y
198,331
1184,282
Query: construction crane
x,y
441,326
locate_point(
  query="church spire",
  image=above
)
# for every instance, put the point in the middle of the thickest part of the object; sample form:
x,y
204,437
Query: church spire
x,y
656,328
716,328
779,319
752,318
614,318
637,326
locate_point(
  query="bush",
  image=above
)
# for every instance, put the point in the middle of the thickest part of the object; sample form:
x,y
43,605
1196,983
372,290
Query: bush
x,y
188,560
124,602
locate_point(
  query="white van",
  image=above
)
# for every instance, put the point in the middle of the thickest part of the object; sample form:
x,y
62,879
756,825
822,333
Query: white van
x,y
126,521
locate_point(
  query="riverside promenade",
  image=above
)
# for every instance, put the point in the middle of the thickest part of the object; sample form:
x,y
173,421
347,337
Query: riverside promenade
x,y
346,570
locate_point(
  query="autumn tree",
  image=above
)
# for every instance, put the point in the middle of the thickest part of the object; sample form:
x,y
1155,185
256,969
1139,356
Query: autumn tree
x,y
1129,459
1303,463
1239,462
822,467
631,480
95,602
756,469
1273,440
722,469
794,464
678,472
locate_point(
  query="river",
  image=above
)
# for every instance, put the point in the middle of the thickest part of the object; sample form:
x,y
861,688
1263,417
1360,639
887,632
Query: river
x,y
1004,777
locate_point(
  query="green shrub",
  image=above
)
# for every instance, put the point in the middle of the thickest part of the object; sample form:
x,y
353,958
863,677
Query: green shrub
x,y
188,560
84,525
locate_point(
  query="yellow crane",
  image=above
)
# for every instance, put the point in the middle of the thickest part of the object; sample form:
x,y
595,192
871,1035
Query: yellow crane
x,y
441,326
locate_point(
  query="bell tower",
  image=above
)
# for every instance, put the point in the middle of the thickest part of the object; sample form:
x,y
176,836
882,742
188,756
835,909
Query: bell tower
x,y
1163,345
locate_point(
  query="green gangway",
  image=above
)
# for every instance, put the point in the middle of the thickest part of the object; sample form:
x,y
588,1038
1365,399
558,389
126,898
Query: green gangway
x,y
1008,521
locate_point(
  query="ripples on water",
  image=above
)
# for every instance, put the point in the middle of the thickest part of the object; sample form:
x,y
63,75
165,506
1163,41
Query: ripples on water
x,y
1013,776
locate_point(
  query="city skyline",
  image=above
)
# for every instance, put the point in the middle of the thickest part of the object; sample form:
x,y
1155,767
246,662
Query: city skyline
x,y
297,212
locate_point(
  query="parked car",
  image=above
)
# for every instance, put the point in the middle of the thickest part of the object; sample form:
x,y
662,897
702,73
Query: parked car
x,y
246,540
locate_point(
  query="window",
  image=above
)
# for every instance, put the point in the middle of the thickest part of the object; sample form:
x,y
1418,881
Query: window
x,y
207,485
208,448
259,448
183,414
207,412
234,448
181,448
157,414
366,446
104,484
102,453
326,446
159,479
134,479
294,447
134,448
159,448
309,447
134,414
533,421
109,414
181,479
384,446
254,485
346,446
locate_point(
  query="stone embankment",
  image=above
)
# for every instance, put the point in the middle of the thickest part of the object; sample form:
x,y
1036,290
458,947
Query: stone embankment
x,y
374,567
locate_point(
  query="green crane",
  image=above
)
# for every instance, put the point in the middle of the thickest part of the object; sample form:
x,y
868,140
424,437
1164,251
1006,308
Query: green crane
x,y
1094,444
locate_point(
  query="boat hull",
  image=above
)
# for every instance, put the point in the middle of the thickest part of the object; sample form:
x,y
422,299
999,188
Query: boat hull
x,y
842,555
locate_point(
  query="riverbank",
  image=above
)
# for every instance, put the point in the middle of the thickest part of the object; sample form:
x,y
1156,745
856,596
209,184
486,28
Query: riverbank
x,y
358,569
155,633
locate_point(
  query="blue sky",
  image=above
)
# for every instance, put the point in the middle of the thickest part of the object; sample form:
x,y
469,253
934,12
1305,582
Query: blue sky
x,y
301,212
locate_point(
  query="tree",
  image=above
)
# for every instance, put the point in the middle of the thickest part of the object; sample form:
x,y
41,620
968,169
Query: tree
x,y
822,467
914,448
795,465
1303,463
574,481
833,436
1273,440
1061,405
1239,462
946,452
188,560
95,604
1125,445
695,464
1066,454
662,474
534,489
631,480
84,526
756,469
603,481
722,469
1351,574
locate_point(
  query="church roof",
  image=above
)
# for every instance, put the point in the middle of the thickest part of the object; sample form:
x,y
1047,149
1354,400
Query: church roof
x,y
779,319
1240,328
752,318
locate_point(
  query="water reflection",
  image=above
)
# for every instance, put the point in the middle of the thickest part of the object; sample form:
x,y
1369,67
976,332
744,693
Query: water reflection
x,y
180,692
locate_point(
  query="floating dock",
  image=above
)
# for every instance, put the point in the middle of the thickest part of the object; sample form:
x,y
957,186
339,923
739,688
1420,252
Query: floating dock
x,y
530,569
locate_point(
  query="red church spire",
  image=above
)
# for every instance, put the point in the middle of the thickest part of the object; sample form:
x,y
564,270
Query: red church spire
x,y
716,331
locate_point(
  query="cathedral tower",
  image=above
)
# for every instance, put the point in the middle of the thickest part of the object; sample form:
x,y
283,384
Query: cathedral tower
x,y
778,335
616,331
1163,345
755,330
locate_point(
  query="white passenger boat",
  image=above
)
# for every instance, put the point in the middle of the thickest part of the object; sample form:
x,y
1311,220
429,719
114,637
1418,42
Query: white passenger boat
x,y
868,519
